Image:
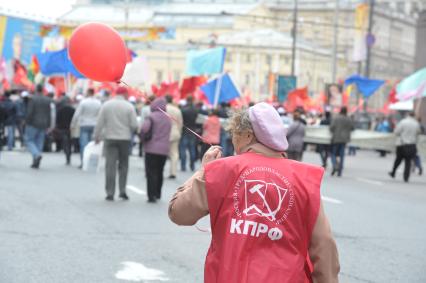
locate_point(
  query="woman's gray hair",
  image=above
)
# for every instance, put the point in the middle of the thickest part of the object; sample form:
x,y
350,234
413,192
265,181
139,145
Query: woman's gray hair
x,y
239,122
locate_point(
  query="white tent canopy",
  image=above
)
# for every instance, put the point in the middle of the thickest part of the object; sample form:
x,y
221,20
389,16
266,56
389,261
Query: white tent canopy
x,y
402,105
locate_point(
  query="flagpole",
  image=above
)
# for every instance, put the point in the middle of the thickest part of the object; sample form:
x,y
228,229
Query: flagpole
x,y
418,106
419,99
217,91
67,86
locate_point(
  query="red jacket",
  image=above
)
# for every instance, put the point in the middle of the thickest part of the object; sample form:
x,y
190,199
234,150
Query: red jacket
x,y
262,213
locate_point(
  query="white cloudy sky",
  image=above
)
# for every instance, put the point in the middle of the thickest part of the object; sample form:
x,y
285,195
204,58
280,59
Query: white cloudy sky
x,y
45,8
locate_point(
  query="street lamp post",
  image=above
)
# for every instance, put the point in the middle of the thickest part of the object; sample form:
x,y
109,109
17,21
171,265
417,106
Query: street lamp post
x,y
335,38
370,43
294,35
369,38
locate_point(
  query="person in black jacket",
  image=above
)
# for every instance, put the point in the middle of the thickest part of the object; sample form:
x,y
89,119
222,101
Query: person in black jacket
x,y
188,140
324,149
3,117
10,123
64,116
38,121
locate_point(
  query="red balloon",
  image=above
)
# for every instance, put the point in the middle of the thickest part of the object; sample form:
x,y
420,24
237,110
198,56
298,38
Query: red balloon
x,y
98,52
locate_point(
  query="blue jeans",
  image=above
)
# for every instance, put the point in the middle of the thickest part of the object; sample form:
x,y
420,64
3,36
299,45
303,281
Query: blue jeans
x,y
187,142
338,149
418,162
10,136
86,133
226,144
352,150
34,139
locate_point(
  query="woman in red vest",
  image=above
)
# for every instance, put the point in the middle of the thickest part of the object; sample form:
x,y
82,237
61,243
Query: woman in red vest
x,y
267,221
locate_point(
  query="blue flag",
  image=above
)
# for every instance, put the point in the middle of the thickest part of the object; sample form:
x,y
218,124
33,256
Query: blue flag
x,y
365,86
205,62
228,91
57,62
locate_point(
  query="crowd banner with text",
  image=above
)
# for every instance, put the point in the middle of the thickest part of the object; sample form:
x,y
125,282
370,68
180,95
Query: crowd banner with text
x,y
148,34
3,21
334,95
21,39
360,37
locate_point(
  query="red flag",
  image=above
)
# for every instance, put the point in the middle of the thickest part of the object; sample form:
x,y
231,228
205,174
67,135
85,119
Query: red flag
x,y
392,94
297,98
34,66
59,84
167,88
154,89
190,85
5,84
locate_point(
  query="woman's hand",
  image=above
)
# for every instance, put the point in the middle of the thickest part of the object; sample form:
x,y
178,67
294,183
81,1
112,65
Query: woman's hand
x,y
213,153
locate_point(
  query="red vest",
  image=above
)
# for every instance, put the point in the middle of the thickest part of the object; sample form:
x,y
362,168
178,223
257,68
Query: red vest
x,y
262,213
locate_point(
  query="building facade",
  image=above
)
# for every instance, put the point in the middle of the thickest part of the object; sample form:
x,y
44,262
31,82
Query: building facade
x,y
258,37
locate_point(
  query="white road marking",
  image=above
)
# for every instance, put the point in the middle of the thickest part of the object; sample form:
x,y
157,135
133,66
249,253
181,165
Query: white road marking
x,y
136,190
331,200
133,271
369,181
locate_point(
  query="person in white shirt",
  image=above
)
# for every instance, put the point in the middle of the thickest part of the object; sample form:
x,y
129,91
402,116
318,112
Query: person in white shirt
x,y
407,132
85,117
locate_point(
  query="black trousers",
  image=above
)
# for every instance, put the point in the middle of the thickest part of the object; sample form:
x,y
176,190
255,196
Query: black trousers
x,y
407,153
154,167
65,137
324,151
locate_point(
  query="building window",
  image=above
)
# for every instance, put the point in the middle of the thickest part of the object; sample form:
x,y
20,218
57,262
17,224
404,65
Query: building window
x,y
247,79
228,57
159,76
268,60
176,76
284,60
267,79
248,58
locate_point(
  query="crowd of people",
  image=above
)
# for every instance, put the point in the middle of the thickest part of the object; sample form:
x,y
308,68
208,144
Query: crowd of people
x,y
266,145
342,125
161,129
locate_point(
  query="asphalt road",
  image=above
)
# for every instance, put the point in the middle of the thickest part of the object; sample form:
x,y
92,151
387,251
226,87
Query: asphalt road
x,y
55,225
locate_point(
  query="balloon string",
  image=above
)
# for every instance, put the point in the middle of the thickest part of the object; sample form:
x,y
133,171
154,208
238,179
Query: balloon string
x,y
172,118
207,230
204,230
